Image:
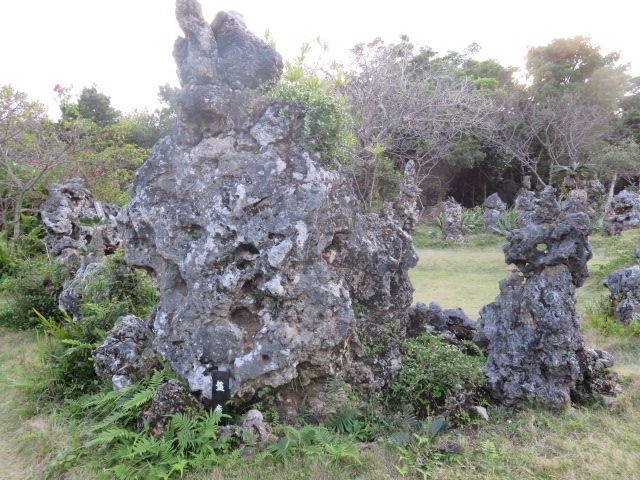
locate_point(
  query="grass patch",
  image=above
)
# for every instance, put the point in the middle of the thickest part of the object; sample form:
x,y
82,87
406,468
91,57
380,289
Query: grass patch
x,y
464,278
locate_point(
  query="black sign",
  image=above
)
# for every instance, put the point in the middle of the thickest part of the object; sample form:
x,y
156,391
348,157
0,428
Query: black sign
x,y
220,391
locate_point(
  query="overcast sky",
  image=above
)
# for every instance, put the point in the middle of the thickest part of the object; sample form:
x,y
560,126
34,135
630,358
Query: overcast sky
x,y
124,46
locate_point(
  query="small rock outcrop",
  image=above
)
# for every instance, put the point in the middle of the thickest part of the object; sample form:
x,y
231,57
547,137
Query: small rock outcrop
x,y
455,325
264,266
530,333
493,206
169,399
77,223
254,426
624,286
451,223
126,355
623,214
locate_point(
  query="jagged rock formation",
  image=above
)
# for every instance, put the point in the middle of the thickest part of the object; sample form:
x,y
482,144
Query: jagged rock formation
x,y
493,206
624,286
530,333
77,223
126,355
264,266
80,230
451,222
455,325
623,214
169,399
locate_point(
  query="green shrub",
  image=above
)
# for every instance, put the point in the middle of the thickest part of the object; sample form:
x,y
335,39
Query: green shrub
x,y
509,220
33,283
325,128
601,316
431,371
473,219
113,440
115,290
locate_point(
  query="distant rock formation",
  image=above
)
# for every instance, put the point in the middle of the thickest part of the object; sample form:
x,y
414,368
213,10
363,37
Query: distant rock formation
x,y
265,268
530,333
624,286
623,214
493,207
80,231
451,222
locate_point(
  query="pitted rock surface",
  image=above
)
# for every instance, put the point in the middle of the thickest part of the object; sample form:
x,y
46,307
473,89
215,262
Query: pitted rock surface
x,y
623,214
452,223
74,219
222,69
530,333
125,356
257,248
624,286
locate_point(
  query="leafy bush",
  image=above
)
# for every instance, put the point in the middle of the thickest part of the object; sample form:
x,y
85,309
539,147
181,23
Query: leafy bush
x,y
325,127
116,290
473,219
32,283
601,316
312,440
509,220
431,371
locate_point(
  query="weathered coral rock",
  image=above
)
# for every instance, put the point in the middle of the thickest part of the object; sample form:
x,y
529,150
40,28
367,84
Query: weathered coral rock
x,y
74,220
126,356
624,286
254,425
257,248
623,214
77,288
493,206
453,323
169,399
530,333
452,223
222,67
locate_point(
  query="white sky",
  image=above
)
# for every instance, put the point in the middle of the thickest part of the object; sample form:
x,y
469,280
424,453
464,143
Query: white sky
x,y
124,46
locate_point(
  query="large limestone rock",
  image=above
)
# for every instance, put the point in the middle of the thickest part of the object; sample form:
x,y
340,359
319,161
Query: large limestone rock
x,y
257,248
530,333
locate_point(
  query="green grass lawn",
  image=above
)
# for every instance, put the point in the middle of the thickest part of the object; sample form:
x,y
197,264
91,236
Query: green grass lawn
x,y
465,278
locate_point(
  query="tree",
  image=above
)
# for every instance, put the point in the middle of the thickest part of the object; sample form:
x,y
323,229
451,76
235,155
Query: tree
x,y
91,105
615,162
410,107
552,132
31,146
573,64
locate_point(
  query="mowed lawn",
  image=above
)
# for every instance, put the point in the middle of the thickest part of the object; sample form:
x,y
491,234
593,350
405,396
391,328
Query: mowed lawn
x,y
464,277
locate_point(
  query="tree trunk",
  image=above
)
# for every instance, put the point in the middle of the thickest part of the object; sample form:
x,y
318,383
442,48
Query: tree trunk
x,y
607,204
17,211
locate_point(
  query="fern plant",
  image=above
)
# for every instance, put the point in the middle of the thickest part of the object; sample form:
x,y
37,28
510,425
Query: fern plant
x,y
312,440
116,444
